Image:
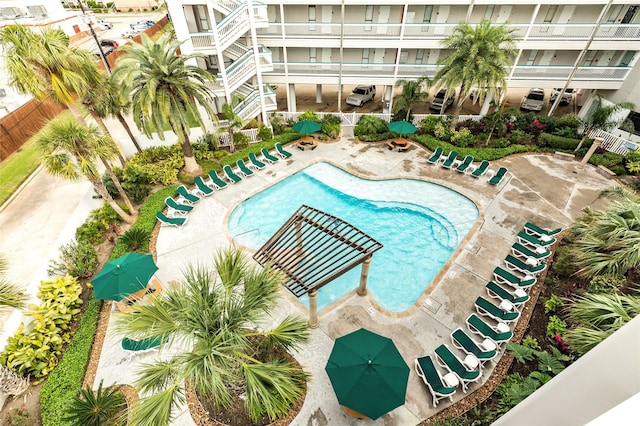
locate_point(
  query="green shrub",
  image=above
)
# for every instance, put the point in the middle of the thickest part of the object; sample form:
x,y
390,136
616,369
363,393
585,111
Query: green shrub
x,y
135,238
370,125
35,350
556,326
136,183
308,115
95,227
520,136
499,143
76,258
552,304
479,154
462,138
331,130
331,119
531,342
19,417
278,124
240,140
605,284
442,132
565,132
264,133
102,407
220,154
557,142
160,164
564,265
428,124
571,121
608,159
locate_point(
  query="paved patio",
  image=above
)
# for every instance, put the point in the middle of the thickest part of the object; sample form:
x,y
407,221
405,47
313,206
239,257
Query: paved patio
x,y
538,188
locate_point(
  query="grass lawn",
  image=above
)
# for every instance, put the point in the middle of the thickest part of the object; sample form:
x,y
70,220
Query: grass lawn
x,y
17,168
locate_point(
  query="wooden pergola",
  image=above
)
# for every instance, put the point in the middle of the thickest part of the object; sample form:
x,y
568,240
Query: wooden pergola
x,y
312,248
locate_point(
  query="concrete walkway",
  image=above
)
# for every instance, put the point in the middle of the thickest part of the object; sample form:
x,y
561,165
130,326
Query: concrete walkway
x,y
538,188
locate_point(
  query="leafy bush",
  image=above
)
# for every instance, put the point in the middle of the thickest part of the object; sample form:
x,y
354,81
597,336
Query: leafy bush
x,y
19,417
462,138
136,183
308,115
95,227
556,326
331,130
429,123
564,265
264,133
479,154
565,132
499,143
520,136
552,304
35,350
571,121
104,407
605,284
370,125
331,119
531,342
608,159
557,142
278,124
240,140
76,258
442,132
160,164
135,238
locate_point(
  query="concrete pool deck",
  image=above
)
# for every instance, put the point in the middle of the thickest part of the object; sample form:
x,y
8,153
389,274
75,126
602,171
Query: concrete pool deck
x,y
538,188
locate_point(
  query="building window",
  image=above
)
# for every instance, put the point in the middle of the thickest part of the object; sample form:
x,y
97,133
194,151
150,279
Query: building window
x,y
37,11
551,12
634,117
590,58
419,56
365,55
488,13
613,14
313,55
532,57
202,22
627,58
312,14
428,11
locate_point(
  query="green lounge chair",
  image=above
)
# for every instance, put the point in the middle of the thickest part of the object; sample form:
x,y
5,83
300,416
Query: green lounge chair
x,y
505,277
465,164
187,197
136,347
464,342
431,377
176,207
231,176
448,163
243,169
488,309
536,231
499,334
435,157
538,253
530,240
267,156
495,179
254,162
281,151
516,264
451,362
201,187
170,221
496,291
481,169
215,180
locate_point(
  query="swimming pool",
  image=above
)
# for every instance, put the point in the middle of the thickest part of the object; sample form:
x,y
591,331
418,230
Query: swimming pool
x,y
419,223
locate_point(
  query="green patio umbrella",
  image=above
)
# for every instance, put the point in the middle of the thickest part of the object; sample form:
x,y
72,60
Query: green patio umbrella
x,y
403,127
306,127
367,373
123,276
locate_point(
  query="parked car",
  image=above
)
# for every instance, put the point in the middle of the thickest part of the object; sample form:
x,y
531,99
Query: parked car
x,y
567,96
533,100
361,95
103,24
107,50
143,22
107,42
131,33
436,102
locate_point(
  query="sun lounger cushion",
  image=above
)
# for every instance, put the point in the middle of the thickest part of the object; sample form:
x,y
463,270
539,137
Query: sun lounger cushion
x,y
202,187
215,180
498,292
187,196
435,157
448,162
536,231
478,326
482,168
267,156
233,178
427,371
281,151
505,312
255,162
451,362
505,277
170,221
530,240
463,341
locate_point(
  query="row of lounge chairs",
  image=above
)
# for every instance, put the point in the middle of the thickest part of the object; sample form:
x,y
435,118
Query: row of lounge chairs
x,y
491,321
178,208
466,165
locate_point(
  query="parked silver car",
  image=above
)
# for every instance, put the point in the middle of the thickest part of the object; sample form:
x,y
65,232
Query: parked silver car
x,y
567,96
533,100
361,94
436,102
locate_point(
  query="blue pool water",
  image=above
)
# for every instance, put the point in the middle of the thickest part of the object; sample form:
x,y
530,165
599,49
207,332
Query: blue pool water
x,y
419,223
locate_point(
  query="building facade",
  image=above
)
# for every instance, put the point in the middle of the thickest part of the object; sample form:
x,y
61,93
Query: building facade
x,y
590,45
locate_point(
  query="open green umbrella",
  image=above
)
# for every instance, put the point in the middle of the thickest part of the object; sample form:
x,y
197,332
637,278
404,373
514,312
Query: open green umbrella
x,y
306,127
368,373
123,276
403,127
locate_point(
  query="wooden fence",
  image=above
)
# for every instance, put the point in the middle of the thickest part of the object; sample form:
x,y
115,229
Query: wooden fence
x,y
18,126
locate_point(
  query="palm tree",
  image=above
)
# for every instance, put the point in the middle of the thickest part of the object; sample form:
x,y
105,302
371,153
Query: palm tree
x,y
11,296
234,121
70,151
165,91
607,242
231,357
598,315
46,67
602,117
412,93
479,58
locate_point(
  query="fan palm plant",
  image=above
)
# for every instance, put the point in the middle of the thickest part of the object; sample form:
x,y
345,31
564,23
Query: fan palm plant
x,y
11,295
165,91
71,150
100,408
229,355
412,93
480,55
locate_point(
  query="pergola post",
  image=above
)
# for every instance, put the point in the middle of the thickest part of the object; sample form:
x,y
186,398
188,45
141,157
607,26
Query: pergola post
x,y
362,288
596,143
313,309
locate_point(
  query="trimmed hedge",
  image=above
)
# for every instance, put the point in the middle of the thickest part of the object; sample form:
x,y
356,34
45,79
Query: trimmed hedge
x,y
557,142
478,154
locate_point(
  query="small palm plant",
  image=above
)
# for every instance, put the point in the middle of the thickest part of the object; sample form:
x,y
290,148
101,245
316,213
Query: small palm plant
x,y
100,408
135,238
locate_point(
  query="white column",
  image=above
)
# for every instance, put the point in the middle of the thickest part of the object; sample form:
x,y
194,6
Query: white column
x,y
291,97
318,93
362,288
313,309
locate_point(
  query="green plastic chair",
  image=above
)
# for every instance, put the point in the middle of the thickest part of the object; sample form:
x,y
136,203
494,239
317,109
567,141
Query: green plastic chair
x,y
505,277
243,169
215,180
477,326
435,157
267,156
187,196
233,178
538,253
482,169
202,187
486,308
536,231
498,292
530,240
451,362
448,163
516,264
465,164
427,371
255,162
464,342
176,207
170,221
281,151
495,179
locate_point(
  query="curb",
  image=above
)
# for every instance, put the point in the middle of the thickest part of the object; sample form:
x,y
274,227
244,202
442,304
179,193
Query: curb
x,y
20,188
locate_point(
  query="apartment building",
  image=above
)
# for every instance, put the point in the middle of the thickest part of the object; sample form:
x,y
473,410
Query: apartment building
x,y
250,45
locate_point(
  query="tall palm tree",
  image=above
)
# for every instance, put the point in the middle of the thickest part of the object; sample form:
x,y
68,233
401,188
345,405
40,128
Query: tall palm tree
x,y
165,91
608,241
480,55
70,151
601,117
46,67
11,296
412,93
228,354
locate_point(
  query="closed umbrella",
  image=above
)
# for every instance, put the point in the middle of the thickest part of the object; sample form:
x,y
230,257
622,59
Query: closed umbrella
x,y
123,276
402,127
368,373
306,126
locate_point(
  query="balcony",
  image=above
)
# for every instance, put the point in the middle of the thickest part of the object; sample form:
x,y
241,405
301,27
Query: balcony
x,y
241,71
